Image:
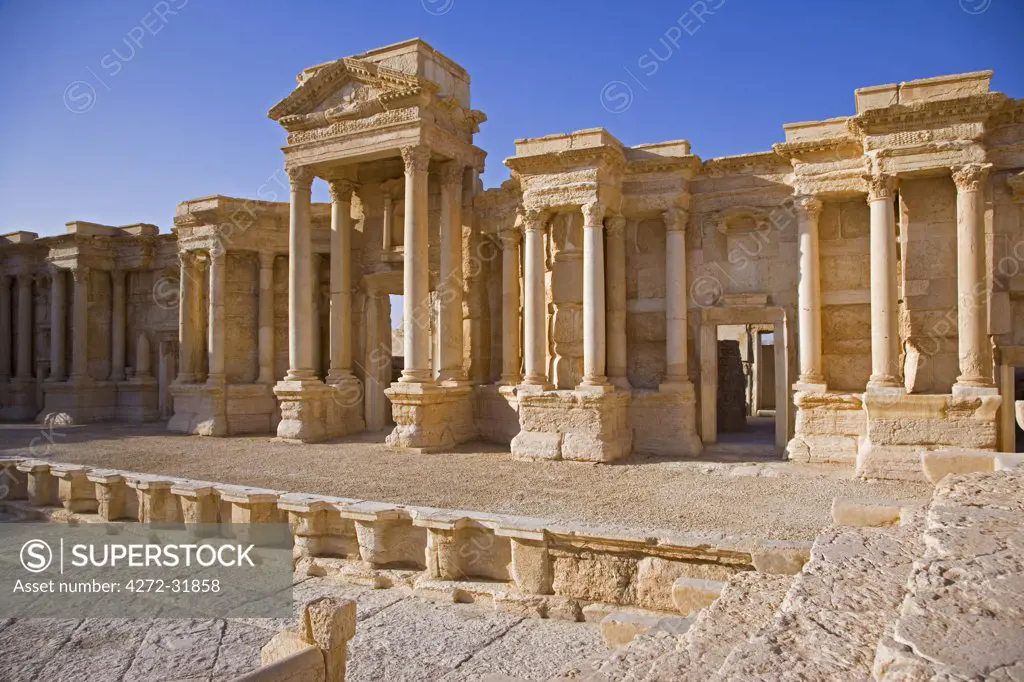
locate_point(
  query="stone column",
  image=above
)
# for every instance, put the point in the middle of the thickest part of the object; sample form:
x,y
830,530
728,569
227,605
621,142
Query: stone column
x,y
615,290
509,307
594,337
971,284
215,327
117,325
676,301
58,325
6,328
341,281
80,326
186,321
23,368
416,291
534,305
808,208
450,332
265,318
300,295
884,330
387,189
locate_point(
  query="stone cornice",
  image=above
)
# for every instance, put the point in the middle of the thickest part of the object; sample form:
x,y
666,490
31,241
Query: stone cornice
x,y
797,150
663,164
744,163
902,117
566,160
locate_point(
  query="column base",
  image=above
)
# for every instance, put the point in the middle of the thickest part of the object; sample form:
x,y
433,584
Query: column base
x,y
312,411
430,418
138,400
18,400
829,426
199,409
973,390
901,427
575,425
664,422
81,402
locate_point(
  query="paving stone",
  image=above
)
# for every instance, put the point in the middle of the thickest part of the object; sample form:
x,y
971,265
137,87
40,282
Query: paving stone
x,y
239,649
186,648
28,644
99,648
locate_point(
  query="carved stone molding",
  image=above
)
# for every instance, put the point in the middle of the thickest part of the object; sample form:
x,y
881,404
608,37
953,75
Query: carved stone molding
x,y
341,190
880,186
593,214
675,219
808,205
970,177
300,177
416,158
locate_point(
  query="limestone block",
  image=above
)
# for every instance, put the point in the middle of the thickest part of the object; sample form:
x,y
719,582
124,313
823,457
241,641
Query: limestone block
x,y
250,505
156,504
655,578
620,627
198,502
40,488
691,594
110,492
780,557
531,566
429,418
664,423
282,645
329,622
594,576
940,463
13,483
386,536
867,513
76,493
592,426
537,445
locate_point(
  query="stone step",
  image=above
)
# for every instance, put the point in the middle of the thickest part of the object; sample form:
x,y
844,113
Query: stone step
x,y
836,610
963,614
747,604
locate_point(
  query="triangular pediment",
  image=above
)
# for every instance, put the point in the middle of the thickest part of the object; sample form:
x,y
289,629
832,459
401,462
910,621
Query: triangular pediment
x,y
345,89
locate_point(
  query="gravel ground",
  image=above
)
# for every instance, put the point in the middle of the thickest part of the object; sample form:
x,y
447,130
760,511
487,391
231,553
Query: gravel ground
x,y
732,489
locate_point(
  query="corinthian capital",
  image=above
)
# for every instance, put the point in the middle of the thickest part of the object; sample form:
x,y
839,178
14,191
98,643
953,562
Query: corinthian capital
x,y
416,158
616,223
509,239
880,186
341,190
675,219
970,177
533,220
807,205
593,214
300,177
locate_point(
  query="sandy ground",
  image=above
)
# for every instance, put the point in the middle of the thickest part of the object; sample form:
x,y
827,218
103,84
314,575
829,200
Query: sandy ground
x,y
398,637
733,489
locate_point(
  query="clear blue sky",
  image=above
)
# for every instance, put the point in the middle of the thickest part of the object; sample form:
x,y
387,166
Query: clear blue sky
x,y
184,115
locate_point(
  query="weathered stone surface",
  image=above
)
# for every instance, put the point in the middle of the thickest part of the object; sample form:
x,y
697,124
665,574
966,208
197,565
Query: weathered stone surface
x,y
940,463
620,627
691,594
866,513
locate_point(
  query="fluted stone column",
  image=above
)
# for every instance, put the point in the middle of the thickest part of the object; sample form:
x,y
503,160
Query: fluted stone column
x,y
972,288
808,209
80,326
341,281
534,312
510,307
216,330
676,292
58,325
300,282
265,318
884,329
6,328
615,289
450,289
594,325
416,291
186,321
117,325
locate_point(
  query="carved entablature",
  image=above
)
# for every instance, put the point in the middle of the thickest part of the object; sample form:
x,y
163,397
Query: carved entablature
x,y
746,164
900,118
741,219
495,210
819,150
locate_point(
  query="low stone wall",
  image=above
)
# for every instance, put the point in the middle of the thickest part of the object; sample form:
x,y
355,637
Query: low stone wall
x,y
546,566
